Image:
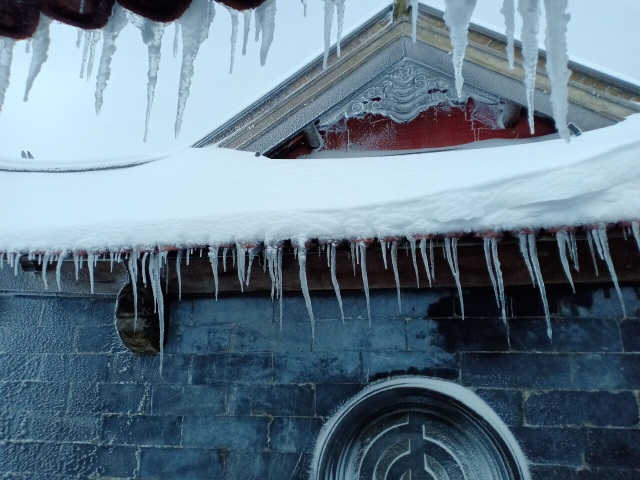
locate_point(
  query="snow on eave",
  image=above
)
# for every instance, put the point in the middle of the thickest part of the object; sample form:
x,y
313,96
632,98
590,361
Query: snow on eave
x,y
214,196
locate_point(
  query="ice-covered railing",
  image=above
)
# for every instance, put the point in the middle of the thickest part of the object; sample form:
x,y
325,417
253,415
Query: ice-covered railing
x,y
193,27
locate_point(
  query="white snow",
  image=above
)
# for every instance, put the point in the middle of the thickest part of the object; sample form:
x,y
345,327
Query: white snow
x,y
457,16
547,184
41,42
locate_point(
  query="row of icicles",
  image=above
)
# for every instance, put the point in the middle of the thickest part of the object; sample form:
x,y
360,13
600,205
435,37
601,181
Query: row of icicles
x,y
194,25
149,265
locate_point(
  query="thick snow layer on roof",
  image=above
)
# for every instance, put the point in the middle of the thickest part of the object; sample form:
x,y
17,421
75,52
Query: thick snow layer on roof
x,y
213,195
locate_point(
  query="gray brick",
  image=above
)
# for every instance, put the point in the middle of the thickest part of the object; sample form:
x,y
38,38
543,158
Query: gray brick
x,y
457,335
274,400
30,457
415,303
331,396
64,428
17,311
551,446
242,465
619,448
99,339
181,312
188,400
569,335
86,368
359,335
232,310
130,367
318,367
142,430
107,398
232,368
37,396
434,363
32,339
197,339
598,303
506,403
19,367
325,307
582,408
614,473
544,472
630,330
271,337
289,434
516,370
182,463
245,433
82,461
606,371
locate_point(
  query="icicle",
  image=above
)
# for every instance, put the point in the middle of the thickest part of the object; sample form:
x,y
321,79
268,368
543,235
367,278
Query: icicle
x,y
271,259
234,36
194,24
233,257
302,263
247,28
394,264
188,256
1,260
340,13
79,39
213,258
412,243
509,12
522,237
41,42
95,38
593,255
557,62
635,227
258,14
533,252
457,16
76,264
6,55
487,257
85,52
145,255
304,5
44,271
563,244
132,264
423,253
111,259
179,274
152,33
91,259
176,38
352,246
603,242
334,278
597,243
530,13
280,253
268,25
573,250
496,264
451,254
414,19
242,255
365,280
16,262
117,22
253,252
328,21
225,250
432,260
155,270
383,245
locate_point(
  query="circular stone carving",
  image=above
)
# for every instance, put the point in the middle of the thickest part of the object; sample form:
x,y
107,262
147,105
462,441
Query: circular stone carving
x,y
417,428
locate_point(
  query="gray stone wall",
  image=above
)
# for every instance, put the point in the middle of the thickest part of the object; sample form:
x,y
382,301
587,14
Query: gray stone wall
x,y
241,397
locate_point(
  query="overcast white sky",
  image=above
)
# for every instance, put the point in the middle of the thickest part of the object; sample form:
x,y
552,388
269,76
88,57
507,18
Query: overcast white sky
x,y
59,121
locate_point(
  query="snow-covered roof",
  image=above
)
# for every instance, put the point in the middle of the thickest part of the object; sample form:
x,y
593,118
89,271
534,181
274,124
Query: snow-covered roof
x,y
212,196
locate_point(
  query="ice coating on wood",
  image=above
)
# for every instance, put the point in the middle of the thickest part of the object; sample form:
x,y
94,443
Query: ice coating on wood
x,y
213,258
423,253
6,55
234,36
85,52
533,253
635,227
451,254
96,35
152,33
530,13
41,42
117,22
600,237
362,247
414,19
412,243
394,264
509,11
267,15
176,38
563,245
557,62
247,28
332,250
340,14
302,263
194,24
524,251
328,21
457,16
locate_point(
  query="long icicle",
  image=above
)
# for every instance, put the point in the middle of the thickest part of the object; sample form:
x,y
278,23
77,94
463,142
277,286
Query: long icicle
x,y
179,274
45,262
61,257
234,36
414,19
155,272
132,263
394,264
604,245
96,35
496,265
340,14
425,260
302,263
530,13
533,252
117,22
509,11
85,52
635,227
41,42
6,55
329,6
268,24
412,243
365,279
487,256
593,255
213,258
334,278
451,254
247,29
457,16
524,251
563,244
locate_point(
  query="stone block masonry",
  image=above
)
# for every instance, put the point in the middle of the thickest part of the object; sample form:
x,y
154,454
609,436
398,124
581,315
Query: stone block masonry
x,y
241,398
